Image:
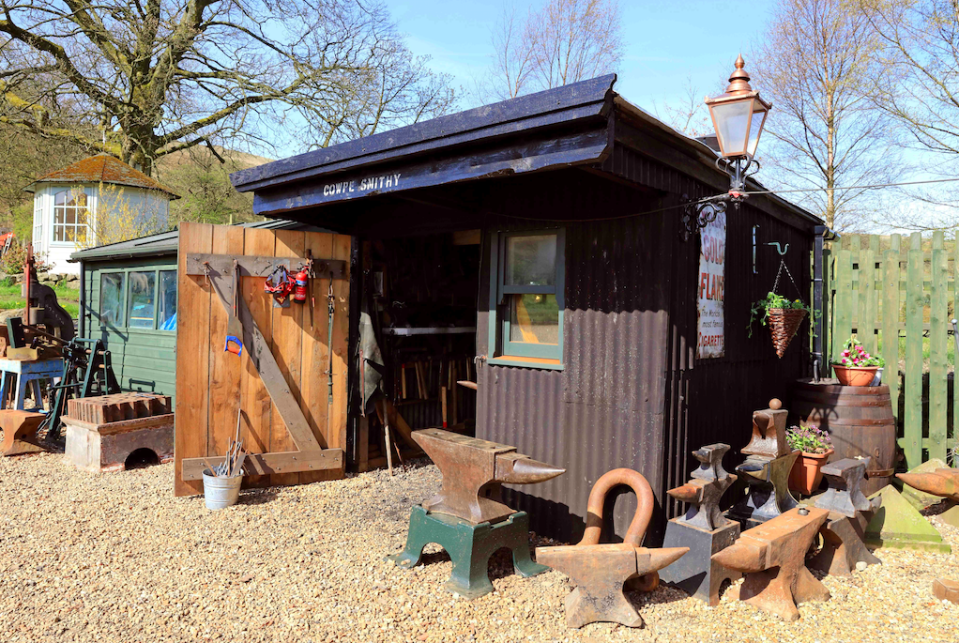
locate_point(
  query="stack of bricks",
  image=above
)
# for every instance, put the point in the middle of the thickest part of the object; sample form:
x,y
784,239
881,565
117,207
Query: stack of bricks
x,y
102,432
118,407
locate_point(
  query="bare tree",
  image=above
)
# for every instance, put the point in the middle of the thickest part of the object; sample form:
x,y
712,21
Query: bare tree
x,y
817,63
564,42
688,114
151,77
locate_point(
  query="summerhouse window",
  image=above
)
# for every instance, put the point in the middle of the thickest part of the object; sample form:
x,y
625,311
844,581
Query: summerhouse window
x,y
37,222
139,298
70,216
526,307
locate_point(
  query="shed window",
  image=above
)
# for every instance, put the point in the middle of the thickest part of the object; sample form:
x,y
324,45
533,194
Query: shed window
x,y
111,298
527,303
166,319
38,223
141,299
70,216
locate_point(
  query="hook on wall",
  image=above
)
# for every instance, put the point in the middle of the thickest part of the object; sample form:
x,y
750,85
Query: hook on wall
x,y
779,248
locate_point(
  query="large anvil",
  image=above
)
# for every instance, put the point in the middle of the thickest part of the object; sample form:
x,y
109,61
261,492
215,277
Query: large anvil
x,y
941,482
769,432
705,490
473,474
773,557
849,513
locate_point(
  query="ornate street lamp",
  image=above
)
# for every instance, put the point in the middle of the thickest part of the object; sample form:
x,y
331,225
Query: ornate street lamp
x,y
738,118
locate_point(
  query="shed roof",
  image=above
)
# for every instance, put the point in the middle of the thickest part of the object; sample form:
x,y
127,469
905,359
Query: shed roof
x,y
294,183
163,243
102,168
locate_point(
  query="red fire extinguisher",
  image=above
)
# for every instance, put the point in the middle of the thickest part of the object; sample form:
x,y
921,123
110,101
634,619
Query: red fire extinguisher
x,y
302,279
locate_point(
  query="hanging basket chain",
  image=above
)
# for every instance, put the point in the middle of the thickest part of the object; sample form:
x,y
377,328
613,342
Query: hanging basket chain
x,y
783,266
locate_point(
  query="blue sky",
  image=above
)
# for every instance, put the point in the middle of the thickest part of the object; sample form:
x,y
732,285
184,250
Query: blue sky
x,y
668,44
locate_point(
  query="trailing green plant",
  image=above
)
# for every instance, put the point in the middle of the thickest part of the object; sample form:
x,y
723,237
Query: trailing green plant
x,y
760,309
808,439
854,355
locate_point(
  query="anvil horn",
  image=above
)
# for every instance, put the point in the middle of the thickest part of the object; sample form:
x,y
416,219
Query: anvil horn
x,y
515,468
688,493
665,556
941,482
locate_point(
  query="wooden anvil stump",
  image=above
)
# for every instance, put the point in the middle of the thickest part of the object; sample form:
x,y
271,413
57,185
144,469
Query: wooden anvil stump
x,y
772,556
466,517
20,432
849,514
599,571
703,530
102,432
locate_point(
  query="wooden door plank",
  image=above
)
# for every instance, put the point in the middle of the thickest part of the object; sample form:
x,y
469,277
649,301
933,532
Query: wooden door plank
x,y
192,356
255,399
938,337
270,464
287,331
866,325
341,325
912,424
225,367
315,355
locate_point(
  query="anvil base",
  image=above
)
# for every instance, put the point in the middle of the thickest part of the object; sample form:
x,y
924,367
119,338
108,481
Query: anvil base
x,y
469,547
696,573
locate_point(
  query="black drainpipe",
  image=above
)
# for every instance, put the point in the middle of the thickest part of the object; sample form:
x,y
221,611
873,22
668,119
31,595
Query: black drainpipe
x,y
818,361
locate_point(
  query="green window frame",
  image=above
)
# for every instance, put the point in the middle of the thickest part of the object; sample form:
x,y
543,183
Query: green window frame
x,y
511,301
159,298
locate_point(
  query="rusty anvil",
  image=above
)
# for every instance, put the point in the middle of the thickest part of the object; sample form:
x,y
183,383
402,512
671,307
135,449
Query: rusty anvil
x,y
773,557
474,471
769,432
941,482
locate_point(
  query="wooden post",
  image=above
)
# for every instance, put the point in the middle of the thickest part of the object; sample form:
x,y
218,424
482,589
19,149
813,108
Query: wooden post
x,y
890,320
938,338
913,384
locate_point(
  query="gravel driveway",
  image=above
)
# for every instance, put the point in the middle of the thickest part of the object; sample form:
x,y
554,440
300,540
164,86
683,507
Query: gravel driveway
x,y
116,558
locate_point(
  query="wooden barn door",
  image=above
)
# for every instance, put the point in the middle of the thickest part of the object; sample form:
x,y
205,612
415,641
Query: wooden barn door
x,y
280,383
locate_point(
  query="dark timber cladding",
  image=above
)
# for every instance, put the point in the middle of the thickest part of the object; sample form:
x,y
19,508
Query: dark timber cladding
x,y
630,391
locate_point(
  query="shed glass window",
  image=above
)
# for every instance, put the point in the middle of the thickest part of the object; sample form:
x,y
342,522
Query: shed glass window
x,y
166,319
527,307
141,300
70,216
111,298
37,223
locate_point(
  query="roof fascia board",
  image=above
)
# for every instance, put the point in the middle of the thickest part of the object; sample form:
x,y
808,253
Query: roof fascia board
x,y
590,146
552,107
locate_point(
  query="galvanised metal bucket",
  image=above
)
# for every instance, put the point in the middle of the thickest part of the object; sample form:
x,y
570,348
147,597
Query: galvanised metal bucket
x,y
220,492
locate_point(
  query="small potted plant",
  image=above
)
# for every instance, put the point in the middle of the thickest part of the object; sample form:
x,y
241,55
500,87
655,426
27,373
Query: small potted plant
x,y
855,366
782,316
816,447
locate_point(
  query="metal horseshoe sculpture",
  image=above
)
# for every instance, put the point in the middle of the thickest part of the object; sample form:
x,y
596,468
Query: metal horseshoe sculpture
x,y
599,572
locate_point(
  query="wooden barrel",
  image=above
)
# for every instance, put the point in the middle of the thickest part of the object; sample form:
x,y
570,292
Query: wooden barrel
x,y
859,419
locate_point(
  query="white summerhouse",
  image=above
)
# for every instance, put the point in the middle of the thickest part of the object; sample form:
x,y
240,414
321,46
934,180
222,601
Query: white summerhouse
x,y
66,202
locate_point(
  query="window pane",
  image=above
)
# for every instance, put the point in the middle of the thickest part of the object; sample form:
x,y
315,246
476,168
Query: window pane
x,y
82,216
58,214
534,319
68,233
531,260
58,233
80,199
61,197
140,306
167,303
71,215
111,297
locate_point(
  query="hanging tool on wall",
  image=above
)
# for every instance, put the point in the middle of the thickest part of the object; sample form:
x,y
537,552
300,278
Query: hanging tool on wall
x,y
280,284
312,276
234,328
331,307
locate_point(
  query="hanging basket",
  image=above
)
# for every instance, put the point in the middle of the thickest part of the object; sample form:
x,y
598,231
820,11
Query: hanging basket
x,y
783,324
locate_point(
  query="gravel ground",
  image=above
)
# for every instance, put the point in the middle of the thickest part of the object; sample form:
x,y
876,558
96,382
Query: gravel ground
x,y
115,557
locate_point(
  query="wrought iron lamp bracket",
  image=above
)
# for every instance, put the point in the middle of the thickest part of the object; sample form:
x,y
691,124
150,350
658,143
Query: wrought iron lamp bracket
x,y
698,213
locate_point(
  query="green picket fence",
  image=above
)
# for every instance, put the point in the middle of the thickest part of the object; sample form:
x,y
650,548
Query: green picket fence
x,y
898,294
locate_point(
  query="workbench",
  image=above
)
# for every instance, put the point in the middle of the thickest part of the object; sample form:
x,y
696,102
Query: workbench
x,y
21,373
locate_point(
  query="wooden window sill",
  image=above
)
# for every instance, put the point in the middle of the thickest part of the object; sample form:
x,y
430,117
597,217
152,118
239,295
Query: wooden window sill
x,y
527,362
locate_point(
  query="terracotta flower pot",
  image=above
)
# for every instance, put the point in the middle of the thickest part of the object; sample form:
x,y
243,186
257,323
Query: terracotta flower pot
x,y
855,375
806,473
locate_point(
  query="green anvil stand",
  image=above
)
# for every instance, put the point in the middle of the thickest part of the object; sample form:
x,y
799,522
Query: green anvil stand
x,y
469,546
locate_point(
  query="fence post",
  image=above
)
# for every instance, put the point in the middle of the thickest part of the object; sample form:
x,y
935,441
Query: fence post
x,y
937,349
890,320
842,316
912,425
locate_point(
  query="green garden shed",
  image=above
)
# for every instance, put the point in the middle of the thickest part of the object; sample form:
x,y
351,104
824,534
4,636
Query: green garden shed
x,y
128,300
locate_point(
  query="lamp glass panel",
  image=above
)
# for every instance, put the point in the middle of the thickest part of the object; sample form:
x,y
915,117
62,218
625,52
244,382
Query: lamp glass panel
x,y
755,130
732,119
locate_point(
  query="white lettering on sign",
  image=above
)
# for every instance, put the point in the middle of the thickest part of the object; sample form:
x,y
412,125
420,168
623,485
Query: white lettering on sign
x,y
367,184
711,288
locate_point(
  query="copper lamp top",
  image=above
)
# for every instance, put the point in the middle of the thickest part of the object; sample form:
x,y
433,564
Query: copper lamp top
x,y
739,79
